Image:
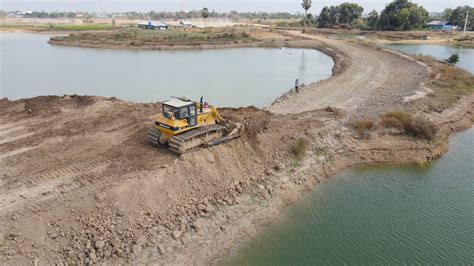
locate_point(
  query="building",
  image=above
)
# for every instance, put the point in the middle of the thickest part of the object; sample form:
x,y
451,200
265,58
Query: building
x,y
441,26
186,24
153,25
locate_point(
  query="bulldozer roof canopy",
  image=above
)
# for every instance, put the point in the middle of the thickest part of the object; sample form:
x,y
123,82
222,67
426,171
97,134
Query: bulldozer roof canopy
x,y
178,103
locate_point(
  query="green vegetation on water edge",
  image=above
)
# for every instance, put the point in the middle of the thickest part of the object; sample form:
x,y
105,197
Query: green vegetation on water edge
x,y
137,37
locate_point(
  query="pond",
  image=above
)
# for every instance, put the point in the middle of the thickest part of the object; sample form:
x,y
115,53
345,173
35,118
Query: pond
x,y
384,215
441,52
225,77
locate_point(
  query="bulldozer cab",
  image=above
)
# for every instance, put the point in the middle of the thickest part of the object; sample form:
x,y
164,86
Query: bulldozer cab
x,y
180,109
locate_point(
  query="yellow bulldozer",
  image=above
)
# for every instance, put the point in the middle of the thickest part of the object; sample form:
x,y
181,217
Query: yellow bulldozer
x,y
185,125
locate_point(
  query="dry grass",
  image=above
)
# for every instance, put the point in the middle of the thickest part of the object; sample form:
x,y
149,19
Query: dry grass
x,y
363,127
448,82
407,124
138,37
300,147
396,119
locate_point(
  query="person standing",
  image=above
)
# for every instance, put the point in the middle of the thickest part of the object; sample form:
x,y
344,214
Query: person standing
x,y
297,85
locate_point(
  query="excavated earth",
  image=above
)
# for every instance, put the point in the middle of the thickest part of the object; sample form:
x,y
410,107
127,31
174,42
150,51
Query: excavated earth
x,y
80,185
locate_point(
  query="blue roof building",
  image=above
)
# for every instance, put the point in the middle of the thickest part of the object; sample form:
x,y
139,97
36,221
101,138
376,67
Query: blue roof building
x,y
153,25
441,26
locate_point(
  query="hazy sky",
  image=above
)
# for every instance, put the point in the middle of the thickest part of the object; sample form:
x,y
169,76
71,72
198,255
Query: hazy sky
x,y
218,5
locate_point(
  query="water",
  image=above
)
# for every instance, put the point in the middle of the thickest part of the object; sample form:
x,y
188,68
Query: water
x,y
226,77
442,52
379,216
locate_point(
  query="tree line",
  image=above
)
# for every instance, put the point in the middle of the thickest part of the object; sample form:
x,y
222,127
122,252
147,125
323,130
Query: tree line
x,y
399,15
159,15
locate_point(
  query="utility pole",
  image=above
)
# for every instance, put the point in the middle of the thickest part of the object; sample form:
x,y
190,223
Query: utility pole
x,y
465,23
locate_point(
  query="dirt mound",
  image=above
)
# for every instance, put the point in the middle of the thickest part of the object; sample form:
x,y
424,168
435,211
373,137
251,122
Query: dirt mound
x,y
68,154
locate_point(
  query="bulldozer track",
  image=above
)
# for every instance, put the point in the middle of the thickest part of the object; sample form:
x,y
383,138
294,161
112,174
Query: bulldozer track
x,y
35,177
177,141
78,180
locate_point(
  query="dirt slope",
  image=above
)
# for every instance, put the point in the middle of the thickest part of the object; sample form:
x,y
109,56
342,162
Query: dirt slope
x,y
56,148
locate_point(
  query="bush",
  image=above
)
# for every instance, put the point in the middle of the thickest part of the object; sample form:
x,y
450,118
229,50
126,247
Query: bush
x,y
421,128
363,127
402,117
453,59
300,147
416,127
391,122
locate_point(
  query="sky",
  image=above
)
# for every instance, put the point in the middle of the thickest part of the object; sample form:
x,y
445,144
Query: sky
x,y
291,6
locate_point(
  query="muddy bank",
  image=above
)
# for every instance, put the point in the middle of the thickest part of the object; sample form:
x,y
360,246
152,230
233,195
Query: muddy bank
x,y
160,47
79,184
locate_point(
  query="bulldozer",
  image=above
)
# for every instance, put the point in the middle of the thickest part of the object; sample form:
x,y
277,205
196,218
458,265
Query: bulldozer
x,y
185,125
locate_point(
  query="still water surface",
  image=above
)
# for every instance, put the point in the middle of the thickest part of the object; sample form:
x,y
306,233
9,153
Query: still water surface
x,y
442,52
227,77
385,215
382,215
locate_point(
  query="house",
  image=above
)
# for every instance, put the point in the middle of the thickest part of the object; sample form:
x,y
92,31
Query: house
x,y
441,26
186,24
153,25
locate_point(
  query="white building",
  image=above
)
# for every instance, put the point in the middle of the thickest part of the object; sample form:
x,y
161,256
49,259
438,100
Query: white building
x,y
186,24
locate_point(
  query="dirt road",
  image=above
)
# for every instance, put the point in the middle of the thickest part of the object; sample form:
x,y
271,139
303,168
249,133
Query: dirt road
x,y
375,80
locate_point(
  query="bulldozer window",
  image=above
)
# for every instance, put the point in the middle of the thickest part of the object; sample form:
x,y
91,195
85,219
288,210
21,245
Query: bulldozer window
x,y
192,110
183,112
169,110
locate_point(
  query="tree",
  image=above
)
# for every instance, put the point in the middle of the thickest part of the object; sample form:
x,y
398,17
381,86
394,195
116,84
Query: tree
x,y
403,15
458,17
453,59
345,13
447,13
205,15
306,6
324,19
335,14
348,12
310,20
373,20
153,15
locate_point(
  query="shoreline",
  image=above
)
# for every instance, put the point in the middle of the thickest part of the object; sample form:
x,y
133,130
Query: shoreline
x,y
246,183
264,212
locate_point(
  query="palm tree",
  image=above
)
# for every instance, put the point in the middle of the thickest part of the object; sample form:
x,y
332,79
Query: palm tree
x,y
205,14
306,6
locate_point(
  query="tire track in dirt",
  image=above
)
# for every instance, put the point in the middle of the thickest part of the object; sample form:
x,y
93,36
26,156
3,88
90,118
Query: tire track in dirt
x,y
45,162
